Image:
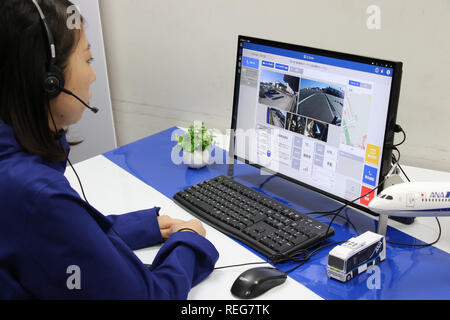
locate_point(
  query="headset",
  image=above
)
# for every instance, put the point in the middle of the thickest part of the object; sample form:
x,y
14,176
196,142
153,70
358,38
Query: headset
x,y
53,85
54,79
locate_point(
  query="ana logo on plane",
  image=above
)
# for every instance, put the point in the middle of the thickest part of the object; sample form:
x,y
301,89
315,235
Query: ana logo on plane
x,y
439,195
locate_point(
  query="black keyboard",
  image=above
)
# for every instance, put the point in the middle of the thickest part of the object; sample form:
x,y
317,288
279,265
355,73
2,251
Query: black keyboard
x,y
264,224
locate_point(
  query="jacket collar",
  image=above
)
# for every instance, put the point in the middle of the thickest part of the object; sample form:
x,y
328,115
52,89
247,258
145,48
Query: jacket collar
x,y
10,147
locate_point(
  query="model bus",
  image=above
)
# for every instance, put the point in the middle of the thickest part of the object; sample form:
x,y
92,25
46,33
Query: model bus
x,y
355,256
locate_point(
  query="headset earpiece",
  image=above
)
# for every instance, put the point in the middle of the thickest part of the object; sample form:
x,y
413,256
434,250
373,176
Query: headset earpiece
x,y
54,81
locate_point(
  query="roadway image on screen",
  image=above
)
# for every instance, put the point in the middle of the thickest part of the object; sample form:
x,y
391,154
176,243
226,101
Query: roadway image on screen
x,y
278,90
321,101
276,117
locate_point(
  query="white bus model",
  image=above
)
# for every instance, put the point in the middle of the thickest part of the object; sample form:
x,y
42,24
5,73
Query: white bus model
x,y
355,256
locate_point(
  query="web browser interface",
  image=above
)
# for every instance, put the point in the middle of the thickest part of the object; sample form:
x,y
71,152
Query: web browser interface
x,y
315,119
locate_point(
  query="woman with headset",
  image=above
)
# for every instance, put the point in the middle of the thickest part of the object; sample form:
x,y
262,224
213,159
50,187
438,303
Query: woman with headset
x,y
54,244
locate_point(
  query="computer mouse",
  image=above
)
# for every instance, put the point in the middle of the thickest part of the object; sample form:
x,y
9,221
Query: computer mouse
x,y
254,282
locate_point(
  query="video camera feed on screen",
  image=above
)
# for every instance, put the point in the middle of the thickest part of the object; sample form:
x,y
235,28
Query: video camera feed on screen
x,y
278,90
317,119
322,101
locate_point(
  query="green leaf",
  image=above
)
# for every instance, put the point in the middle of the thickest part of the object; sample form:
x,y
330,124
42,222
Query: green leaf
x,y
196,138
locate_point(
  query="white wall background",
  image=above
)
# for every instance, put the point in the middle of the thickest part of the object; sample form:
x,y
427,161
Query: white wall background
x,y
172,62
96,130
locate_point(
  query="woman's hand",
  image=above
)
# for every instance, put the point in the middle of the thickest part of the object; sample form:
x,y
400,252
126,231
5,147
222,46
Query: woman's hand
x,y
165,225
168,225
193,224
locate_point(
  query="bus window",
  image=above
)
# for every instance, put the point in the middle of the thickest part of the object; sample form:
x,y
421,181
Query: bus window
x,y
351,263
335,262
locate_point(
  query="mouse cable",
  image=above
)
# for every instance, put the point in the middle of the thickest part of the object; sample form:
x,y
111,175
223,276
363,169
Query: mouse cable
x,y
294,257
241,264
311,254
275,259
346,219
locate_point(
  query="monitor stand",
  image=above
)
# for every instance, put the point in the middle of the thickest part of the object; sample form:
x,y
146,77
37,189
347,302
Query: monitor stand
x,y
230,155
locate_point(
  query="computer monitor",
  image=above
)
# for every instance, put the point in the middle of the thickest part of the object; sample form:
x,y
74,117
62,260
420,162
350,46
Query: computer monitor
x,y
319,118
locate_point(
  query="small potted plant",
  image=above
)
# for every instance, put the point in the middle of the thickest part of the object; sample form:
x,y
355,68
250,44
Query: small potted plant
x,y
196,144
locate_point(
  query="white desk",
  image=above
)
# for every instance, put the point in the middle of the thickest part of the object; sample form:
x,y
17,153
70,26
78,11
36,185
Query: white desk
x,y
112,190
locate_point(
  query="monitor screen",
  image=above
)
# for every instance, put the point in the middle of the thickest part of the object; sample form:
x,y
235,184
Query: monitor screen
x,y
319,118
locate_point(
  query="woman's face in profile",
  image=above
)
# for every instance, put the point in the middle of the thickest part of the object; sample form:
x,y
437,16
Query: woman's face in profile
x,y
79,76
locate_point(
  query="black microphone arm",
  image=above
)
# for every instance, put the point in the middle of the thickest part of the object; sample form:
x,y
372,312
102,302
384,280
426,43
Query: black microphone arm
x,y
93,109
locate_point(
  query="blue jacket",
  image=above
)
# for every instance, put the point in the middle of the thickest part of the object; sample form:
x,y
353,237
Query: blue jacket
x,y
54,245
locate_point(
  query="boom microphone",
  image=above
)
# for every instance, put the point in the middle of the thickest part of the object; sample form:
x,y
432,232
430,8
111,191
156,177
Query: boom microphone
x,y
93,109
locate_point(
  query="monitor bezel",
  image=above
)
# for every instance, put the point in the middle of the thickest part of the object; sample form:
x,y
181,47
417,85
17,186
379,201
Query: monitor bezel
x,y
386,159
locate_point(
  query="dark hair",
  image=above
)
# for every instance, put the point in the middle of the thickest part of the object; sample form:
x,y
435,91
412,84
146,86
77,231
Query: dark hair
x,y
24,62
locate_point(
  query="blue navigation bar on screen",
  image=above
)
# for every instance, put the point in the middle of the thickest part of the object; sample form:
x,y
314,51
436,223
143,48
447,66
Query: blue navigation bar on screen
x,y
384,71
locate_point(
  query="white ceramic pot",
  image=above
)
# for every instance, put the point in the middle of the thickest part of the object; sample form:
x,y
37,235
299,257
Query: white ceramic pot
x,y
197,159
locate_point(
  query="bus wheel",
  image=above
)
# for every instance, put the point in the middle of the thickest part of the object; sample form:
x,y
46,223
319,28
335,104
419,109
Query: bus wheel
x,y
349,277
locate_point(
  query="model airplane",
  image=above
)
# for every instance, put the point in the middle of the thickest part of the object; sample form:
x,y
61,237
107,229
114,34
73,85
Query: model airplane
x,y
413,199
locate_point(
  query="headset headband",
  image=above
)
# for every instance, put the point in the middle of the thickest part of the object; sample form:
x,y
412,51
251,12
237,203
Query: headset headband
x,y
49,34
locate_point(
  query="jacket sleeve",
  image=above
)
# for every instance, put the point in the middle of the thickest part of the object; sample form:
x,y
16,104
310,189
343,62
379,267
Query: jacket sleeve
x,y
69,251
138,229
